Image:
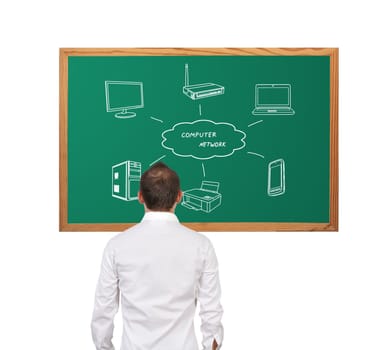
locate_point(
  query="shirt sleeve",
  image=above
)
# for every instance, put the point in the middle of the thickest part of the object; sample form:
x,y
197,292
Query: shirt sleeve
x,y
106,302
209,293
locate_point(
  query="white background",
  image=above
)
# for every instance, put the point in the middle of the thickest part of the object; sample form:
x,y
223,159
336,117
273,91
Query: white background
x,y
302,291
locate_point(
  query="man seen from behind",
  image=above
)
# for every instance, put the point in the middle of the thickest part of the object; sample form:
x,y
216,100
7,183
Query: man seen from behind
x,y
161,270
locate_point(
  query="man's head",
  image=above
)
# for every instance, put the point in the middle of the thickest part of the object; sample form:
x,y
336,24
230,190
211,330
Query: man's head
x,y
160,188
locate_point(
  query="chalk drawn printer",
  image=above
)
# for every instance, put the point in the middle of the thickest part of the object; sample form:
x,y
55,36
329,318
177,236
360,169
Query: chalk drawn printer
x,y
206,198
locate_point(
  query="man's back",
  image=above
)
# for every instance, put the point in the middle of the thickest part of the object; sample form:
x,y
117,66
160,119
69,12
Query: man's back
x,y
160,269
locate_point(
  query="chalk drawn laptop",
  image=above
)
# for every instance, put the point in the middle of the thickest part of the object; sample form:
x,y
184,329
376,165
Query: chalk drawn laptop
x,y
273,99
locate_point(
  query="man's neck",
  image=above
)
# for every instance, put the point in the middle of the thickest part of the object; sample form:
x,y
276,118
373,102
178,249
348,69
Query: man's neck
x,y
146,210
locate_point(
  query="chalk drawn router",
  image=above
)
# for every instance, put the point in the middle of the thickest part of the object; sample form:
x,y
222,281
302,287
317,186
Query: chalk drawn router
x,y
199,91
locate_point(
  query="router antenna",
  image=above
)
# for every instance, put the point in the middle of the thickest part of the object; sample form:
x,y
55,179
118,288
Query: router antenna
x,y
186,75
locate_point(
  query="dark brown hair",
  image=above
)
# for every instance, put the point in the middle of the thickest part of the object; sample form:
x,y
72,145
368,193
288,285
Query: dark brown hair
x,y
159,186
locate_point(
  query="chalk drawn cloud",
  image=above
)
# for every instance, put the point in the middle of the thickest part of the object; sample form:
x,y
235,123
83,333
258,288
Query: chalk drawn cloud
x,y
203,139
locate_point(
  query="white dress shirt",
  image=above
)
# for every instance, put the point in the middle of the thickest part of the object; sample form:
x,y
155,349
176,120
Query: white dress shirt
x,y
161,269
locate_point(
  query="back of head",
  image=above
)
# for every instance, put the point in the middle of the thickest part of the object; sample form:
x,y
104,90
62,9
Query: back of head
x,y
159,186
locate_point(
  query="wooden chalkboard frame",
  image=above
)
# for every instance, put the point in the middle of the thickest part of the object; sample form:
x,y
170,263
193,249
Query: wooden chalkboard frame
x,y
333,53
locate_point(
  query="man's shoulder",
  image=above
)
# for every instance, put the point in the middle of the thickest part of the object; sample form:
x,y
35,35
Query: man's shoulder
x,y
199,238
138,231
119,237
198,235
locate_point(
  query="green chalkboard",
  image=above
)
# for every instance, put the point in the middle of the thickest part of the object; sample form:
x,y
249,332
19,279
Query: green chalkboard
x,y
249,135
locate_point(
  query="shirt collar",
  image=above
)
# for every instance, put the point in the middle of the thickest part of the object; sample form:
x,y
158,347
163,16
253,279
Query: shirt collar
x,y
160,216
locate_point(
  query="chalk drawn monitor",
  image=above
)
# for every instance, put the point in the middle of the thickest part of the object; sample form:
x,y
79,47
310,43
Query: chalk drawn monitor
x,y
122,96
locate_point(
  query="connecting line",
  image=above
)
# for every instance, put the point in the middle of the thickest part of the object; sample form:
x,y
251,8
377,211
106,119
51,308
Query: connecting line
x,y
256,154
204,170
158,120
158,160
259,121
199,108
